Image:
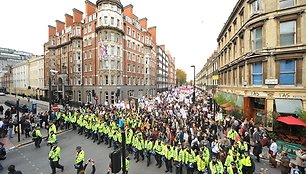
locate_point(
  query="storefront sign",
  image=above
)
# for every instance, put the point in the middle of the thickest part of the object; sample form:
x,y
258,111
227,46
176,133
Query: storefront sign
x,y
271,81
284,95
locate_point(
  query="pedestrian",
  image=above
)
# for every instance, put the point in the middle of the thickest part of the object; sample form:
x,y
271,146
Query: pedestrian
x,y
301,159
37,137
257,150
79,160
273,153
54,157
93,169
10,128
284,163
12,170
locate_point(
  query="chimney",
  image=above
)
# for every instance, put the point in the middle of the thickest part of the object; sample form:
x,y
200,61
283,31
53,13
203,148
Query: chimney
x,y
77,15
90,8
128,11
59,25
68,20
51,30
143,23
152,31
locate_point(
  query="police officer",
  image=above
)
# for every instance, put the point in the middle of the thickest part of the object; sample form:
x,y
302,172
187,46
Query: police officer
x,y
37,137
216,166
158,152
179,161
247,163
168,155
233,169
148,148
54,157
190,160
52,138
79,159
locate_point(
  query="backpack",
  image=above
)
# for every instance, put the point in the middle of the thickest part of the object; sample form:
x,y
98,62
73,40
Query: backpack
x,y
34,134
2,153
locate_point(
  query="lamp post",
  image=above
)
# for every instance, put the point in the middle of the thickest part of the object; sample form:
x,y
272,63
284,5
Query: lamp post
x,y
193,99
52,73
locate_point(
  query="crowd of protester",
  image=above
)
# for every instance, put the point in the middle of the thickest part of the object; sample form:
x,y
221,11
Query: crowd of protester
x,y
181,134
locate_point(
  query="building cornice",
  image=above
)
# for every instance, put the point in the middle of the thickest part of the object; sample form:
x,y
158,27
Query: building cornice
x,y
99,28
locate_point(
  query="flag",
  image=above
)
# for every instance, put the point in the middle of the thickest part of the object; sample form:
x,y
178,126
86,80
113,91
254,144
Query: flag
x,y
103,50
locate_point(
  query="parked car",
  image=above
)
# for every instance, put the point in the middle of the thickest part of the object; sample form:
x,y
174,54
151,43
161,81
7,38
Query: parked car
x,y
2,94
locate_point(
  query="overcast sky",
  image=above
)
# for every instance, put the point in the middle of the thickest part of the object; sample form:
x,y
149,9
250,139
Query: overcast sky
x,y
189,30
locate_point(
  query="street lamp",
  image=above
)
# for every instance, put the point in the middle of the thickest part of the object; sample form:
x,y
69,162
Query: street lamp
x,y
52,73
193,99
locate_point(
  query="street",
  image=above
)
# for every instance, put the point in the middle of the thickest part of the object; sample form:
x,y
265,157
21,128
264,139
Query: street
x,y
40,107
30,160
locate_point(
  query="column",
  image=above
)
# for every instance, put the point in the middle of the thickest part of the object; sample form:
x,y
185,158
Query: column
x,y
269,111
304,104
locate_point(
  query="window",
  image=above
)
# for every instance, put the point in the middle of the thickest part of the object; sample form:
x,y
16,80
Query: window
x,y
78,44
256,37
112,80
287,72
257,73
78,56
118,23
105,19
133,33
89,41
106,80
256,6
105,35
112,36
78,31
129,31
286,3
106,96
89,28
112,50
112,20
118,51
90,55
79,96
106,64
287,33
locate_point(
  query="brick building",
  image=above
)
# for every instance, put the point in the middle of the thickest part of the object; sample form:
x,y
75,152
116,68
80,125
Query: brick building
x,y
85,74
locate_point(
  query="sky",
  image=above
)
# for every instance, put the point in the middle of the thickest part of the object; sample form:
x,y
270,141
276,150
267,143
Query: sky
x,y
189,30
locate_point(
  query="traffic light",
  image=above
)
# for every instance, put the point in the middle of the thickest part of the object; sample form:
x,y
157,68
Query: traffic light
x,y
115,157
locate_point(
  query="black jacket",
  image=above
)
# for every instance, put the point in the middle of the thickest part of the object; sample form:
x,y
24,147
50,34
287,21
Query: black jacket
x,y
93,170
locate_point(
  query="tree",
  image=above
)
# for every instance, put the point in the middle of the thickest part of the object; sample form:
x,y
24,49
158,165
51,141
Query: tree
x,y
181,77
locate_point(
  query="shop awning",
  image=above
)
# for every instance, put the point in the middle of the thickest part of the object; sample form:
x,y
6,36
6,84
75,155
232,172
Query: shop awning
x,y
288,106
291,121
